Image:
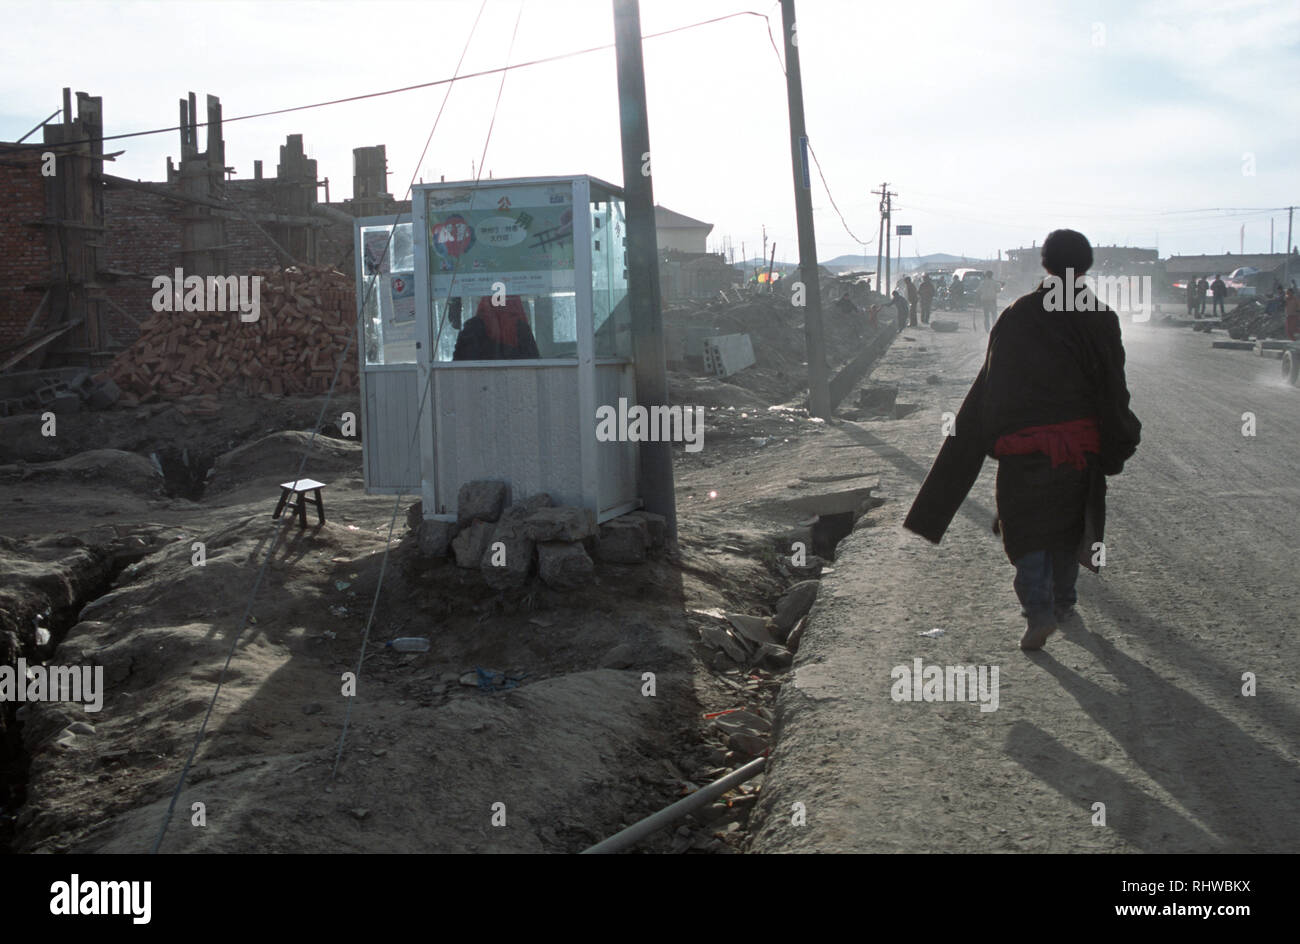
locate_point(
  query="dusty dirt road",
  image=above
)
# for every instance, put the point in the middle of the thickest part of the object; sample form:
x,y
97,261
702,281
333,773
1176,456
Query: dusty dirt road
x,y
1137,704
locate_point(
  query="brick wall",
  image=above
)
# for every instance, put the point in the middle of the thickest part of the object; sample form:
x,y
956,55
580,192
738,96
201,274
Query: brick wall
x,y
24,254
142,237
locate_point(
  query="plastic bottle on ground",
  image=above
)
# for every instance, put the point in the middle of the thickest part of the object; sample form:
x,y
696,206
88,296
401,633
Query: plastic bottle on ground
x,y
409,644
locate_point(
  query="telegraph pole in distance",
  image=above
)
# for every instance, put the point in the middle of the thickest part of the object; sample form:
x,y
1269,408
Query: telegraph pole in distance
x,y
643,261
889,223
819,394
880,249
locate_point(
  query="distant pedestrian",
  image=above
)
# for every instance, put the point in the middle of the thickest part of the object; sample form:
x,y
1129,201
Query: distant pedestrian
x,y
910,287
1052,406
1219,289
988,292
1191,298
926,295
1202,287
900,304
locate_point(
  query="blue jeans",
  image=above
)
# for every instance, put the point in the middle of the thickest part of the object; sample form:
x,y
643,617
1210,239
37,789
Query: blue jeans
x,y
1045,584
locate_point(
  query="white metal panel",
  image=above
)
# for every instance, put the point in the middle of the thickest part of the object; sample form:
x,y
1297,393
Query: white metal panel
x,y
390,461
392,458
585,420
513,423
617,462
428,419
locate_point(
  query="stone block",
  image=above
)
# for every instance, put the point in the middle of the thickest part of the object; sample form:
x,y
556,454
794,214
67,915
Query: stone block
x,y
508,560
656,530
561,523
435,537
471,542
480,499
623,540
563,565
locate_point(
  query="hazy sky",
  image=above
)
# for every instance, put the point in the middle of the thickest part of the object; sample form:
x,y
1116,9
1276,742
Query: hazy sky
x,y
994,122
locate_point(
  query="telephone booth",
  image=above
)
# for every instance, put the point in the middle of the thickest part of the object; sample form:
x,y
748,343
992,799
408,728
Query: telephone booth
x,y
494,323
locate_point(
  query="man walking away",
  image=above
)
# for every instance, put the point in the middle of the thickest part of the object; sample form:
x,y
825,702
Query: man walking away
x,y
1052,406
926,294
1220,291
910,287
1202,287
989,296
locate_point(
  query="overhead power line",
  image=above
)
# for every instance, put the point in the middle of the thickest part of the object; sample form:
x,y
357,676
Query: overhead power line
x,y
411,88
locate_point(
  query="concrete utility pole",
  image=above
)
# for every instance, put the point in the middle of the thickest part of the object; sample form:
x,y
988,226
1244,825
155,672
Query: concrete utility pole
x,y
1286,263
819,394
643,261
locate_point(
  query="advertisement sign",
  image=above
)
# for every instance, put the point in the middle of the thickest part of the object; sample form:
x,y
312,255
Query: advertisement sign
x,y
521,236
403,286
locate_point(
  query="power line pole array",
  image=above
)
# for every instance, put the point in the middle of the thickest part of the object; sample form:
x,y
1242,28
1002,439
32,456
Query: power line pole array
x,y
819,394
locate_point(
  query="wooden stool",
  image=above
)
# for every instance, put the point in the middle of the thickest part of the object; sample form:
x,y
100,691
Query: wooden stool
x,y
300,501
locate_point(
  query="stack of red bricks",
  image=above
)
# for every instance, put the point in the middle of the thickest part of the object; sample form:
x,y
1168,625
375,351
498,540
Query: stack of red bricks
x,y
306,316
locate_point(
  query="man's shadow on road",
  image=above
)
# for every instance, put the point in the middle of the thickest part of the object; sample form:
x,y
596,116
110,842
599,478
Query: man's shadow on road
x,y
1220,777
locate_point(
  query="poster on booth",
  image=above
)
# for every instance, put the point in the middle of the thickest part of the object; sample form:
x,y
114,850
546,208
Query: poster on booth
x,y
521,237
375,249
403,284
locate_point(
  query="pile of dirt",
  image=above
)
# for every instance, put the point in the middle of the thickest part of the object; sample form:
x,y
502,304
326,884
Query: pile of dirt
x,y
1250,320
278,457
776,329
98,468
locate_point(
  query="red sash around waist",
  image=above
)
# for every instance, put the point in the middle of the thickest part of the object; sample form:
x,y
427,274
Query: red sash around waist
x,y
1062,442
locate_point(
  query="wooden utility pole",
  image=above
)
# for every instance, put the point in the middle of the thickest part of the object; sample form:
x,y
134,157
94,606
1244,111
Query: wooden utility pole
x,y
889,223
886,218
880,235
819,394
642,261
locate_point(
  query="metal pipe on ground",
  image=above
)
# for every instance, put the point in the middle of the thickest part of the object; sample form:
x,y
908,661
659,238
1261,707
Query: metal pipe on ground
x,y
656,821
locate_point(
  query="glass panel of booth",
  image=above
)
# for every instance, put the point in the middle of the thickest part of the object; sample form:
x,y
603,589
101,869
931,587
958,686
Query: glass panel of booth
x,y
611,316
387,271
501,271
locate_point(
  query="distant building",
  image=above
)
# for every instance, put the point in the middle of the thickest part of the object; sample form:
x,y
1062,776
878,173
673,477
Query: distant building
x,y
1117,259
1212,265
679,232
